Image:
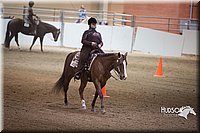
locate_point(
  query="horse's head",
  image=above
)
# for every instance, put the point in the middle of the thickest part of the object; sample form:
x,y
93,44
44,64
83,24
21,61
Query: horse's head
x,y
192,111
56,34
184,111
121,66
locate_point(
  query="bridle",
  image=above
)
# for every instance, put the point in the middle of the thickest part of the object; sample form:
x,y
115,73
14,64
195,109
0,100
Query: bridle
x,y
116,73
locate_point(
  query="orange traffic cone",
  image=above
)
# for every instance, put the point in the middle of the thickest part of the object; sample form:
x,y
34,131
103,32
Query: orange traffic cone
x,y
104,92
159,72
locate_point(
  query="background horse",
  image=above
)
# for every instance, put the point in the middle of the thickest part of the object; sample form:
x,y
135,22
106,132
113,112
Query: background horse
x,y
17,25
100,73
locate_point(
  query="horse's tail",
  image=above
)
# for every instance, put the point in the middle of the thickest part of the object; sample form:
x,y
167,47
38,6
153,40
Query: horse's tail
x,y
60,83
7,35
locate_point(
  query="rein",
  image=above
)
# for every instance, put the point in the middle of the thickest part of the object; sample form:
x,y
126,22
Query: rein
x,y
50,38
116,74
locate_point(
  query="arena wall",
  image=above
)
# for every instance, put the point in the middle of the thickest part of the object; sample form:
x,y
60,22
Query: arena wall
x,y
190,43
166,44
120,38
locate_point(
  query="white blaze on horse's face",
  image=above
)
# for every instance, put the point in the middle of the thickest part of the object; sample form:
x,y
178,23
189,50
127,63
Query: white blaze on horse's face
x,y
56,34
125,73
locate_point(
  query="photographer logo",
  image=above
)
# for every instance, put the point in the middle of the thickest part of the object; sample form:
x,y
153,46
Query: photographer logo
x,y
175,111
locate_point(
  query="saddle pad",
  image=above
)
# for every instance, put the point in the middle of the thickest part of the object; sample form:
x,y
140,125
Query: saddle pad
x,y
75,60
26,21
26,25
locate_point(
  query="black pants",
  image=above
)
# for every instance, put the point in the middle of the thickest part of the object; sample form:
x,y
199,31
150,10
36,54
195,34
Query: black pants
x,y
34,25
84,55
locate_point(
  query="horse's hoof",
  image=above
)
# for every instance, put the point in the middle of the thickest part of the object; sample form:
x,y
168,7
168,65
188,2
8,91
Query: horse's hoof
x,y
65,104
83,107
103,111
93,110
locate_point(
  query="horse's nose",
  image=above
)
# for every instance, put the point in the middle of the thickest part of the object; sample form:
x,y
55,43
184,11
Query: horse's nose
x,y
123,78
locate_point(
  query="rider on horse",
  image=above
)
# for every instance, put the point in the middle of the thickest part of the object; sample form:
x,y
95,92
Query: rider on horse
x,y
91,40
30,17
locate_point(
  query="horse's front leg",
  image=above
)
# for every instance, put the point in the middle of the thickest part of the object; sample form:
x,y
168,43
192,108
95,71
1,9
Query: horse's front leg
x,y
98,89
34,39
94,101
41,42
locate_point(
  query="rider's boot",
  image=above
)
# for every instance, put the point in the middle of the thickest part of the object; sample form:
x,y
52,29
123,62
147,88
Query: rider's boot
x,y
34,32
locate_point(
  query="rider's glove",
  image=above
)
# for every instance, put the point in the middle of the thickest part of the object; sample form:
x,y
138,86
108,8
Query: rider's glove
x,y
100,45
94,44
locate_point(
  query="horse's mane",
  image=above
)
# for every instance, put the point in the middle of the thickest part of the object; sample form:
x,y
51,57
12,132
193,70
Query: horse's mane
x,y
105,54
47,25
184,108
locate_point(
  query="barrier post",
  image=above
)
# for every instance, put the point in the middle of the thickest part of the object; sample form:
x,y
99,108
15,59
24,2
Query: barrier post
x,y
133,34
62,27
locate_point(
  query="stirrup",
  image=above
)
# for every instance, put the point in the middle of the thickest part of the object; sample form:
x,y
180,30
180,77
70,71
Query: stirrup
x,y
77,76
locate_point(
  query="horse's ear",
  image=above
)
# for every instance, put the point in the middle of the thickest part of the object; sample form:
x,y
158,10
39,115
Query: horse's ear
x,y
119,55
126,54
58,31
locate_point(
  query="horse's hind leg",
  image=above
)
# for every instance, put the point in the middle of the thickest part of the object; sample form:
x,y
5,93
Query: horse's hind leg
x,y
16,40
81,90
65,91
67,80
66,87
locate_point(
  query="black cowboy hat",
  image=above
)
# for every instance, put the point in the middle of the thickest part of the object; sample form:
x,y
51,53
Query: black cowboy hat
x,y
92,20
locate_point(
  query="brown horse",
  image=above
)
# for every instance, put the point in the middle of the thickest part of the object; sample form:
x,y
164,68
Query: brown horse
x,y
17,25
99,74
